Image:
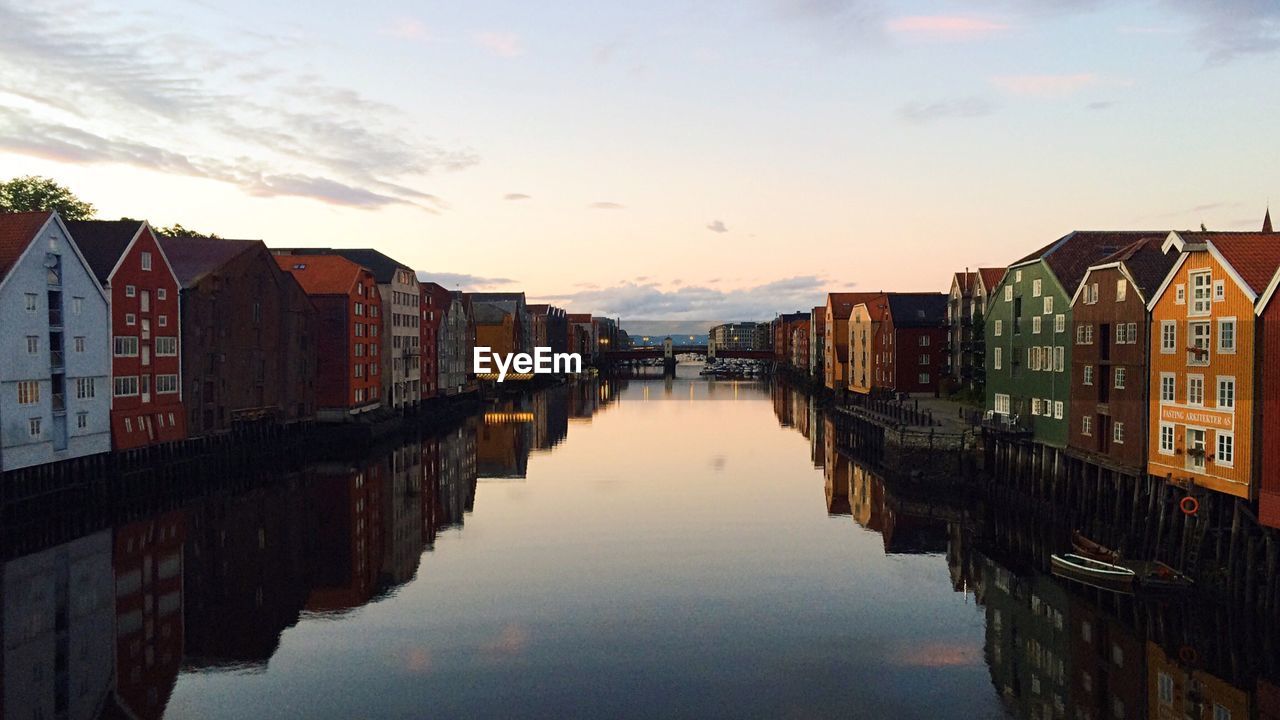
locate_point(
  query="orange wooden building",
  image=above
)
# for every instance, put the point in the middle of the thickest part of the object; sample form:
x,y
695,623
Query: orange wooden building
x,y
1204,423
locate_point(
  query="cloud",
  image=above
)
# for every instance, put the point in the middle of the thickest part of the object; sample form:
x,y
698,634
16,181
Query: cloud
x,y
503,44
1100,105
407,28
463,281
231,112
516,196
1044,85
1230,28
840,22
717,226
651,300
944,27
605,205
965,107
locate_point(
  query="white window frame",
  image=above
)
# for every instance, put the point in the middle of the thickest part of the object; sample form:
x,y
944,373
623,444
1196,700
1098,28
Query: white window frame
x,y
1225,322
1168,381
1170,433
1168,337
1195,380
1230,437
1221,381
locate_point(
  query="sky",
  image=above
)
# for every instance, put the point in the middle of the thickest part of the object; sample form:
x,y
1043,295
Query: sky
x,y
660,160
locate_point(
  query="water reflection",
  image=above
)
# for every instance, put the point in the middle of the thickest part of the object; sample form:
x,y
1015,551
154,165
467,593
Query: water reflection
x,y
699,574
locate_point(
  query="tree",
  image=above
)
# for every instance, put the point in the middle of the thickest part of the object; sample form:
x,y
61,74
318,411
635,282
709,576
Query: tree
x,y
176,230
33,193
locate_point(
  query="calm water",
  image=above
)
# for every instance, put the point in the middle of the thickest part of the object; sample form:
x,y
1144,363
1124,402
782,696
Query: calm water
x,y
641,549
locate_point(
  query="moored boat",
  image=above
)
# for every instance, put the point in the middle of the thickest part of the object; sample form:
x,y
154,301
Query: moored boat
x,y
1096,573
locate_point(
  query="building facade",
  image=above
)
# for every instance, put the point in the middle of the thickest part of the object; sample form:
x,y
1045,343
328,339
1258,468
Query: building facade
x,y
1203,422
247,335
1110,324
347,333
836,336
866,345
967,304
146,367
916,329
55,365
1028,333
515,305
495,329
817,342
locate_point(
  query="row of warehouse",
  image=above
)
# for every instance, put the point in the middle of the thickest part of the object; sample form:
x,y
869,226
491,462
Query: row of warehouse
x,y
117,337
1144,352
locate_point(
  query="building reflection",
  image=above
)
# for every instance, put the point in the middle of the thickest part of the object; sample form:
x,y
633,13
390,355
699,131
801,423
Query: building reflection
x,y
147,560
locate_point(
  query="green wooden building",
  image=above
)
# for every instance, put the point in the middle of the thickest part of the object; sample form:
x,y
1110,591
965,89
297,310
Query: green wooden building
x,y
1029,333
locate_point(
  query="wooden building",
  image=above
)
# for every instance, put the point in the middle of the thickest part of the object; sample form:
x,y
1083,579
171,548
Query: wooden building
x,y
247,340
970,294
1109,321
916,353
347,333
146,405
495,329
836,336
1028,333
866,345
817,342
1204,422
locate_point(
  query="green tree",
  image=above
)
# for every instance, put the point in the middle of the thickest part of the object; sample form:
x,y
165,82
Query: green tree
x,y
32,193
176,230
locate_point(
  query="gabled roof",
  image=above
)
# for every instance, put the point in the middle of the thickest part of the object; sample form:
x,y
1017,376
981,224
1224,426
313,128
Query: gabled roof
x,y
381,265
841,304
17,230
103,242
876,308
1250,258
991,277
1071,255
967,281
321,274
918,309
487,314
1147,264
194,257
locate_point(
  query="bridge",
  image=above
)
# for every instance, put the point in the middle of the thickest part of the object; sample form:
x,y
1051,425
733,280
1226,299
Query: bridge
x,y
644,353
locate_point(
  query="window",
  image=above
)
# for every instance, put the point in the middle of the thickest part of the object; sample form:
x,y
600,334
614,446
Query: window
x,y
146,260
1119,376
130,291
166,384
1195,390
1200,299
33,427
85,388
1165,682
1086,425
162,321
161,293
82,420
1198,353
1166,439
77,305
359,371
1226,454
924,359
126,346
1220,712
79,343
1048,304
924,378
1035,406
996,358
1035,357
1168,337
1059,323
1227,335
1008,293
1057,410
1035,325
1180,294
1168,387
924,341
28,392
1088,374
130,319
999,328
1117,433
1035,287
1059,358
1017,276
126,386
166,345
1122,287
1219,291
33,344
1226,393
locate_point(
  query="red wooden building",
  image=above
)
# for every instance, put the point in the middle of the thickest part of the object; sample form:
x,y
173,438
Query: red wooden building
x,y
434,305
347,343
145,330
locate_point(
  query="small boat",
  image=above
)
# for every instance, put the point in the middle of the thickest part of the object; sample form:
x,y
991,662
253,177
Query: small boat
x,y
1090,549
1096,573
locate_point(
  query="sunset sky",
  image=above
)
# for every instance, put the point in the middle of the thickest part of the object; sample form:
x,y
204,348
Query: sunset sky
x,y
684,160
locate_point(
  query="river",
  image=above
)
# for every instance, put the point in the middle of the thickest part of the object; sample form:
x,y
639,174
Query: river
x,y
639,548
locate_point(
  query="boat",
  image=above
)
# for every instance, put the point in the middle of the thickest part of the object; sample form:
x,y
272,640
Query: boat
x,y
1095,573
1123,576
1090,549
